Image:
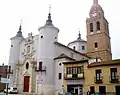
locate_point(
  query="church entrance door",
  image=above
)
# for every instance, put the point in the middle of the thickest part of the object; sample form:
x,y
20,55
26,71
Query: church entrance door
x,y
26,83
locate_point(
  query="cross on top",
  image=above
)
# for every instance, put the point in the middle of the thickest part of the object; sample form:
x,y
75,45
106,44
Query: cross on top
x,y
49,8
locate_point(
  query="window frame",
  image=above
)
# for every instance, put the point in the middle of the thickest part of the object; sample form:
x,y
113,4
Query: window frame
x,y
28,49
96,44
98,73
74,47
98,25
113,73
69,70
59,76
40,66
27,65
83,47
91,27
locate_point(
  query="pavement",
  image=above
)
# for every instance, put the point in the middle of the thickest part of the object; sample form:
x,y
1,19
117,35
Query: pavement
x,y
2,93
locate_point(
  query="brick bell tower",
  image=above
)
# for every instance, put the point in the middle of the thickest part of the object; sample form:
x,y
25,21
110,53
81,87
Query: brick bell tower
x,y
98,39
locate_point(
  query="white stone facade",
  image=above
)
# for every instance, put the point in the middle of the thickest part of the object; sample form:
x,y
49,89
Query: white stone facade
x,y
26,55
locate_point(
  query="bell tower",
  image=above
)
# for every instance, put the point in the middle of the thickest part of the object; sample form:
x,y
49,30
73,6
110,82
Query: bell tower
x,y
98,39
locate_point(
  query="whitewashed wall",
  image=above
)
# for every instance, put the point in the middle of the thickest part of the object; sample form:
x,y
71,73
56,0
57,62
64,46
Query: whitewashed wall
x,y
78,46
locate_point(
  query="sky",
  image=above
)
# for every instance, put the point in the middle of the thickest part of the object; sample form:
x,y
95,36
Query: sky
x,y
68,15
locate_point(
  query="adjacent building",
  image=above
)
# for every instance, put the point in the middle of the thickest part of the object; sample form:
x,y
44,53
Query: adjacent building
x,y
99,74
102,77
74,76
3,74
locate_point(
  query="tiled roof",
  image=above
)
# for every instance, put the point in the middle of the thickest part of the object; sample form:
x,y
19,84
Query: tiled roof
x,y
105,63
64,56
74,62
57,43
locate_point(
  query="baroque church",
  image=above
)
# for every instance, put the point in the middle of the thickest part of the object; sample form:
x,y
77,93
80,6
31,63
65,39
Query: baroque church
x,y
36,61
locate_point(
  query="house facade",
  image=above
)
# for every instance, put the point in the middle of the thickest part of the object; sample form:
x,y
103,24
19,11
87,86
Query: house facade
x,y
103,77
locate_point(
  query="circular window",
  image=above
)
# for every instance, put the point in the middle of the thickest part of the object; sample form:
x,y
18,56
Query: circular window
x,y
27,65
11,45
41,36
60,64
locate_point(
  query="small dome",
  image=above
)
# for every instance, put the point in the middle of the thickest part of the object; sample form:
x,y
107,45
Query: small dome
x,y
78,40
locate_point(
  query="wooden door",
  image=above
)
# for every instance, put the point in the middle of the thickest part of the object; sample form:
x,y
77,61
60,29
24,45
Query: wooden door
x,y
117,90
26,83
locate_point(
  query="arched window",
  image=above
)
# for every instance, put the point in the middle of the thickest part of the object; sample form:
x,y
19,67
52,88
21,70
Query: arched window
x,y
91,27
28,49
27,65
98,25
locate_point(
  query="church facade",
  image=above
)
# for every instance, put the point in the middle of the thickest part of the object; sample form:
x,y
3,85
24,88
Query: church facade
x,y
36,61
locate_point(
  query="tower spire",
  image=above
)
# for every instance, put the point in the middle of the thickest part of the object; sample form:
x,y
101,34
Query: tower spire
x,y
49,21
19,33
20,28
95,1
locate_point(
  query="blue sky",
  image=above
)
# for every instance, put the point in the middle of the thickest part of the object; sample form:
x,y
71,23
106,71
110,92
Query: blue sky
x,y
68,15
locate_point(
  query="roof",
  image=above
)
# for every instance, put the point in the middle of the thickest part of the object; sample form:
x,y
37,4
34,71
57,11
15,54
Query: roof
x,y
57,43
105,63
75,62
78,40
64,56
48,24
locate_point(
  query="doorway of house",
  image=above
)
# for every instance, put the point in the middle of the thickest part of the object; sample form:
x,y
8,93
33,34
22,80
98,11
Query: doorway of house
x,y
75,89
102,89
117,88
26,83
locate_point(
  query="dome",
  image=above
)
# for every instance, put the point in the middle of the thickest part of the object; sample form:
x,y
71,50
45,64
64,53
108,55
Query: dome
x,y
78,40
96,8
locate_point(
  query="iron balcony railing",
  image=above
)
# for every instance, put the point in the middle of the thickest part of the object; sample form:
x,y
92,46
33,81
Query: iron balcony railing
x,y
9,71
73,76
42,69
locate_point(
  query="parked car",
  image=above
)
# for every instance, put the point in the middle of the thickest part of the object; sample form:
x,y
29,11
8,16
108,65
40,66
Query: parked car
x,y
5,90
11,90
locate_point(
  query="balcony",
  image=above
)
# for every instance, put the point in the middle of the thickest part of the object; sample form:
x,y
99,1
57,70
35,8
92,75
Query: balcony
x,y
98,80
9,71
73,76
43,69
114,79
